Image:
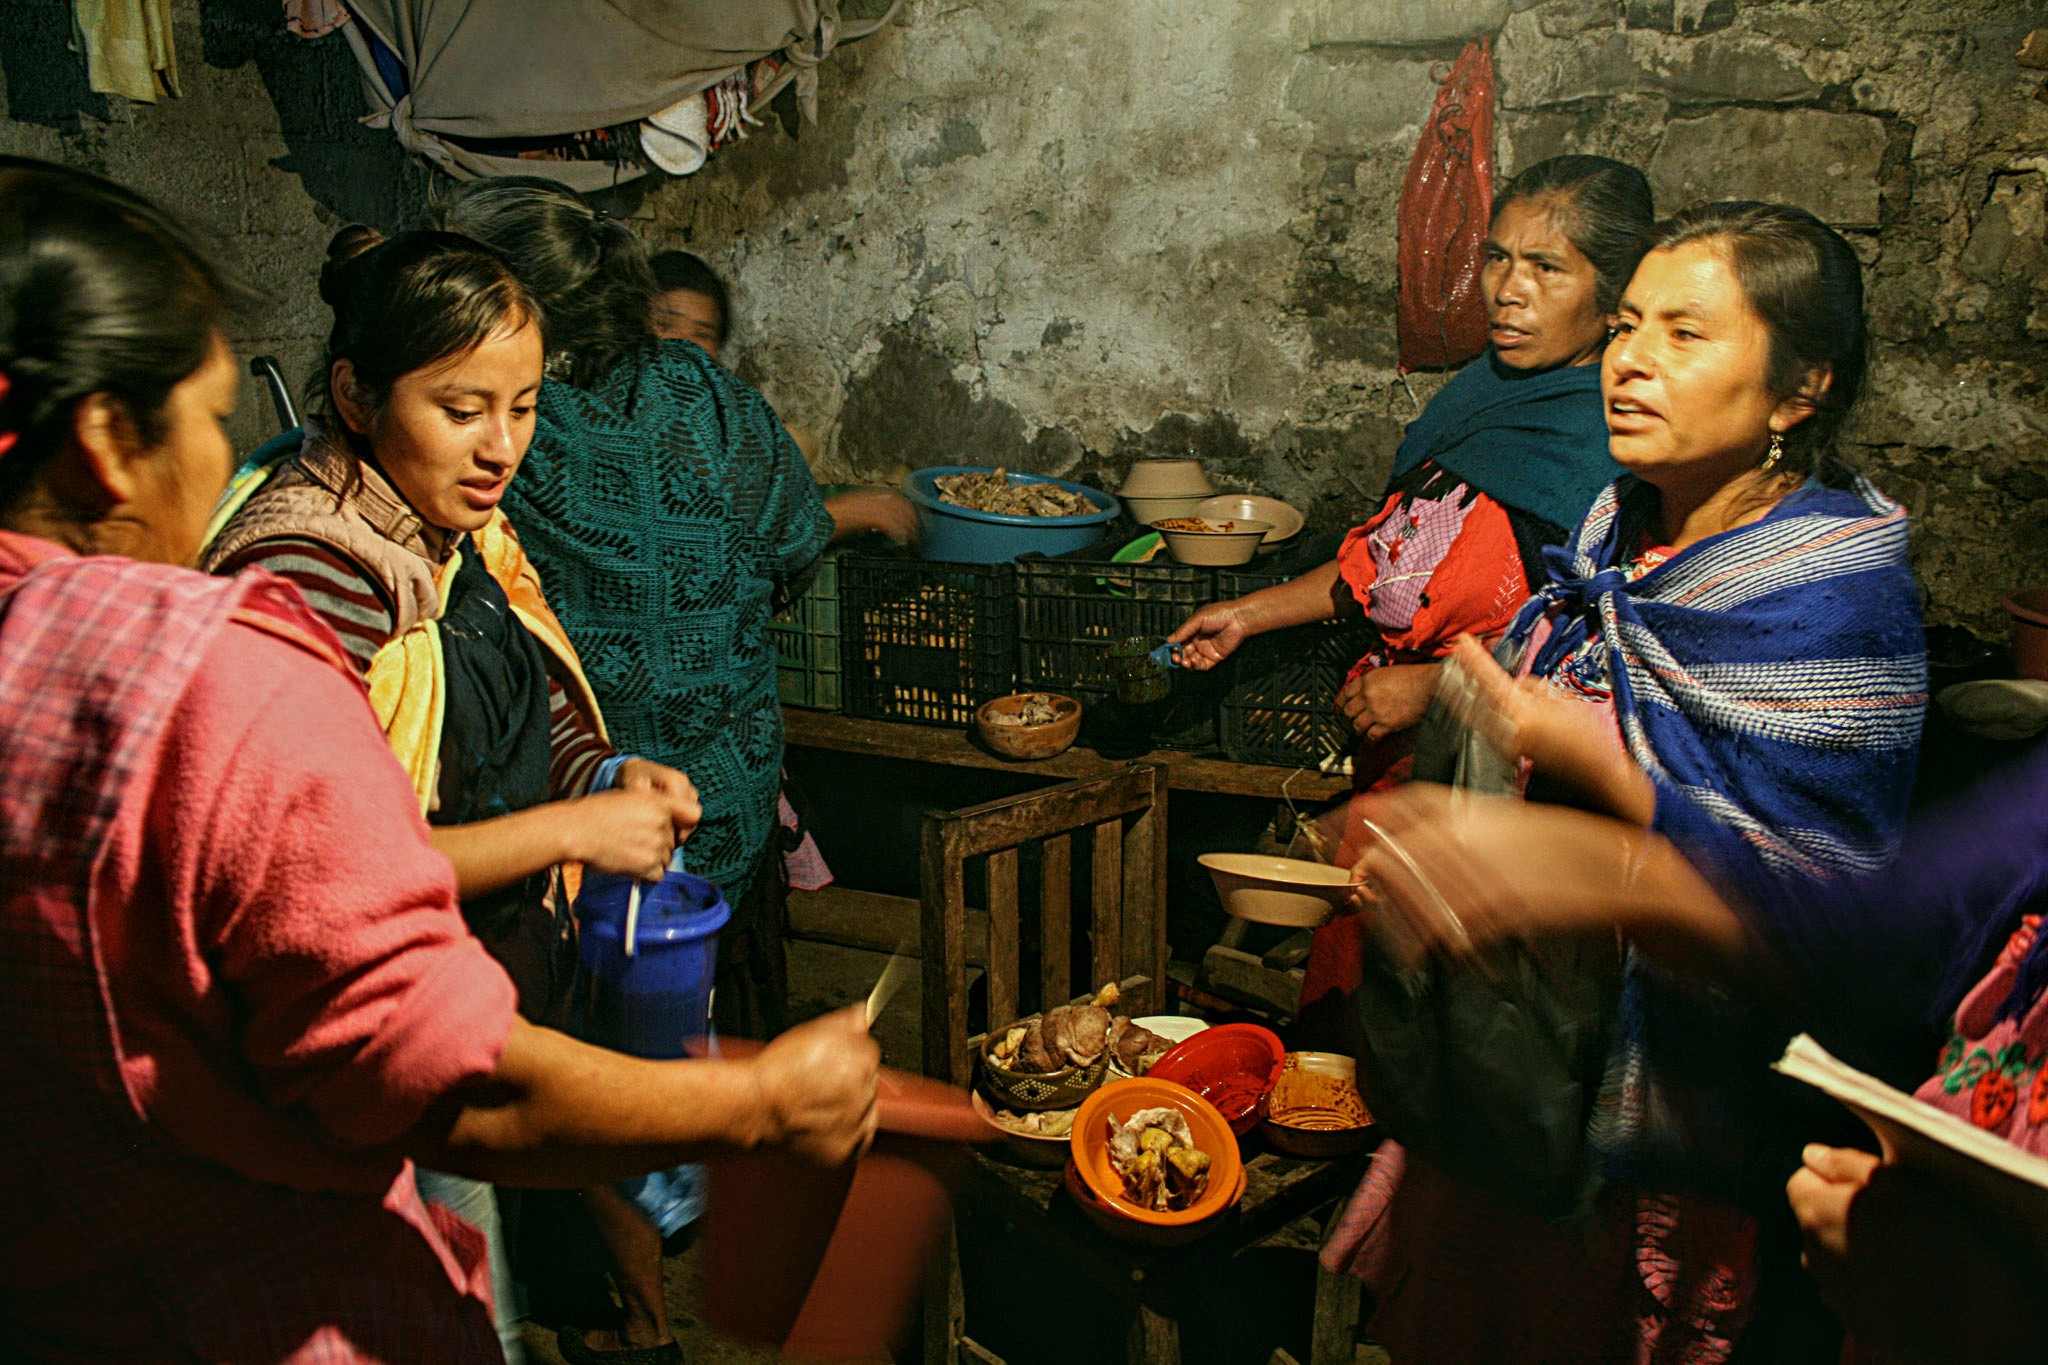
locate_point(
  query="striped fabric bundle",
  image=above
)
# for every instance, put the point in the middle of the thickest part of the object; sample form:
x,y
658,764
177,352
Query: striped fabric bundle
x,y
1772,681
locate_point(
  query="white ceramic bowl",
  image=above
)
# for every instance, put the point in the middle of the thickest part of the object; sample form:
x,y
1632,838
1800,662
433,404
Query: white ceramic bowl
x,y
1286,520
1286,891
1214,546
1166,479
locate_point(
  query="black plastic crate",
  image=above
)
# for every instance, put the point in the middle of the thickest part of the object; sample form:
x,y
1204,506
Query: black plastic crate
x,y
1279,704
1071,610
924,641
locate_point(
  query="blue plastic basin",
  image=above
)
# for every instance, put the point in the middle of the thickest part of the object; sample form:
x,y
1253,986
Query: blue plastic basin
x,y
958,535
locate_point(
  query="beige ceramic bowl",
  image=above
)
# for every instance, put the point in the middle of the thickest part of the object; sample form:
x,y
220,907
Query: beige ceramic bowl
x,y
1145,511
1286,891
1032,1149
1287,522
1214,547
1166,479
1026,742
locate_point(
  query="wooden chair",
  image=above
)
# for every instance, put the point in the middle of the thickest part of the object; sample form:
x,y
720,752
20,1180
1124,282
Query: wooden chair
x,y
1123,817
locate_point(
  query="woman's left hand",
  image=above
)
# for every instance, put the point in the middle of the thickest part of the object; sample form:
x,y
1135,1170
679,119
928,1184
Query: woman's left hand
x,y
1383,701
1906,1267
1526,718
686,809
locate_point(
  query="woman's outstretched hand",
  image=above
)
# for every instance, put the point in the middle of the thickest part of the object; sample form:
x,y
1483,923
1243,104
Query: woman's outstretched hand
x,y
1212,635
818,1082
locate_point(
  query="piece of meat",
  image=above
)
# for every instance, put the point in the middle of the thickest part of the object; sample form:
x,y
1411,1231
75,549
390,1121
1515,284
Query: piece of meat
x,y
1033,1055
1082,1032
1136,1048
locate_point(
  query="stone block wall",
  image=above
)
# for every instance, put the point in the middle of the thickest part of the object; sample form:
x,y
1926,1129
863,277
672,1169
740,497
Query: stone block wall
x,y
1062,236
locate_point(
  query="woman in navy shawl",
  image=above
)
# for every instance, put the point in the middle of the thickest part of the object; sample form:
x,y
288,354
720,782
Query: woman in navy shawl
x,y
1741,617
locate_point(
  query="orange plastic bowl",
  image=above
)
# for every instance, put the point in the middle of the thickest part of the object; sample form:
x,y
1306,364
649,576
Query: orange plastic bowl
x,y
1232,1066
1117,1101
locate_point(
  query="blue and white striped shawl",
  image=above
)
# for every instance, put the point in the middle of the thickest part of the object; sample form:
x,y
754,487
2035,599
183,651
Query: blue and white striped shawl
x,y
1771,680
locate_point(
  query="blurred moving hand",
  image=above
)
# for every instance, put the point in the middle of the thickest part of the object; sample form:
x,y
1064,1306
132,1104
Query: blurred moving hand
x,y
818,1080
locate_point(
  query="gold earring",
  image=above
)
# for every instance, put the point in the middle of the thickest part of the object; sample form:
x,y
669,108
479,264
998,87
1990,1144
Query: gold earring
x,y
1776,452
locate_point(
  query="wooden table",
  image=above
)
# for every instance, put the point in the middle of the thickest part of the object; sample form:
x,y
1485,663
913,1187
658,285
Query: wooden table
x,y
956,748
1158,1284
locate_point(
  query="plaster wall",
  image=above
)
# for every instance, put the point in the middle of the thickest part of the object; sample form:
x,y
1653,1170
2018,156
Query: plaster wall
x,y
1062,236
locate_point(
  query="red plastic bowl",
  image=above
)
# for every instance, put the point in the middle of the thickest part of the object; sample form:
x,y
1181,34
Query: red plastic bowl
x,y
1232,1066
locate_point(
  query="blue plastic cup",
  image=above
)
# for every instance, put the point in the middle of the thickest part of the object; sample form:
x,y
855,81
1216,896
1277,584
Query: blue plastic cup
x,y
657,1002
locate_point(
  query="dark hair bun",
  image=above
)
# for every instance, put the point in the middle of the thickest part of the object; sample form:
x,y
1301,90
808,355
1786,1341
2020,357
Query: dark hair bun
x,y
348,244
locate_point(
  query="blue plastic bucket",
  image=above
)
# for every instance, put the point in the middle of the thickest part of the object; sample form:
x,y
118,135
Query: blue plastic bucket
x,y
658,1001
959,535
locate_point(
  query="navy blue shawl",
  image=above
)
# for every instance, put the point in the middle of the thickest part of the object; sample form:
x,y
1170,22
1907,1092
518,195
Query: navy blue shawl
x,y
1533,442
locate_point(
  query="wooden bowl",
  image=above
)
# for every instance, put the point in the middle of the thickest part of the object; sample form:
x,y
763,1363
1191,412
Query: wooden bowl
x,y
1027,742
1117,1101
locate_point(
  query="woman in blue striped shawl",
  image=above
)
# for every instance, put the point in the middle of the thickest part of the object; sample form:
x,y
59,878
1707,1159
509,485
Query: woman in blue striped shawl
x,y
1740,613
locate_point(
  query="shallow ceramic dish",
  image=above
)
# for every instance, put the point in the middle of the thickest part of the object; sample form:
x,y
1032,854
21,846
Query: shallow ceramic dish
x,y
1214,546
1316,1125
1231,1066
1285,891
1031,1149
1287,522
1026,742
1119,1100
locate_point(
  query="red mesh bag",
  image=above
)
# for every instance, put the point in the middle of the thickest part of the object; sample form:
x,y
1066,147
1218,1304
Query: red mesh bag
x,y
1445,202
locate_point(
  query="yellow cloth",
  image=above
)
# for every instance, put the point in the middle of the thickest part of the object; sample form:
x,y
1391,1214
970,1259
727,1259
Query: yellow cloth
x,y
408,677
128,48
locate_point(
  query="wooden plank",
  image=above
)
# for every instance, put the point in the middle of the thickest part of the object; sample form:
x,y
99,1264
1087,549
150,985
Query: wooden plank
x,y
950,747
1055,919
1244,979
1002,935
1106,914
1144,920
945,956
1012,820
874,921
